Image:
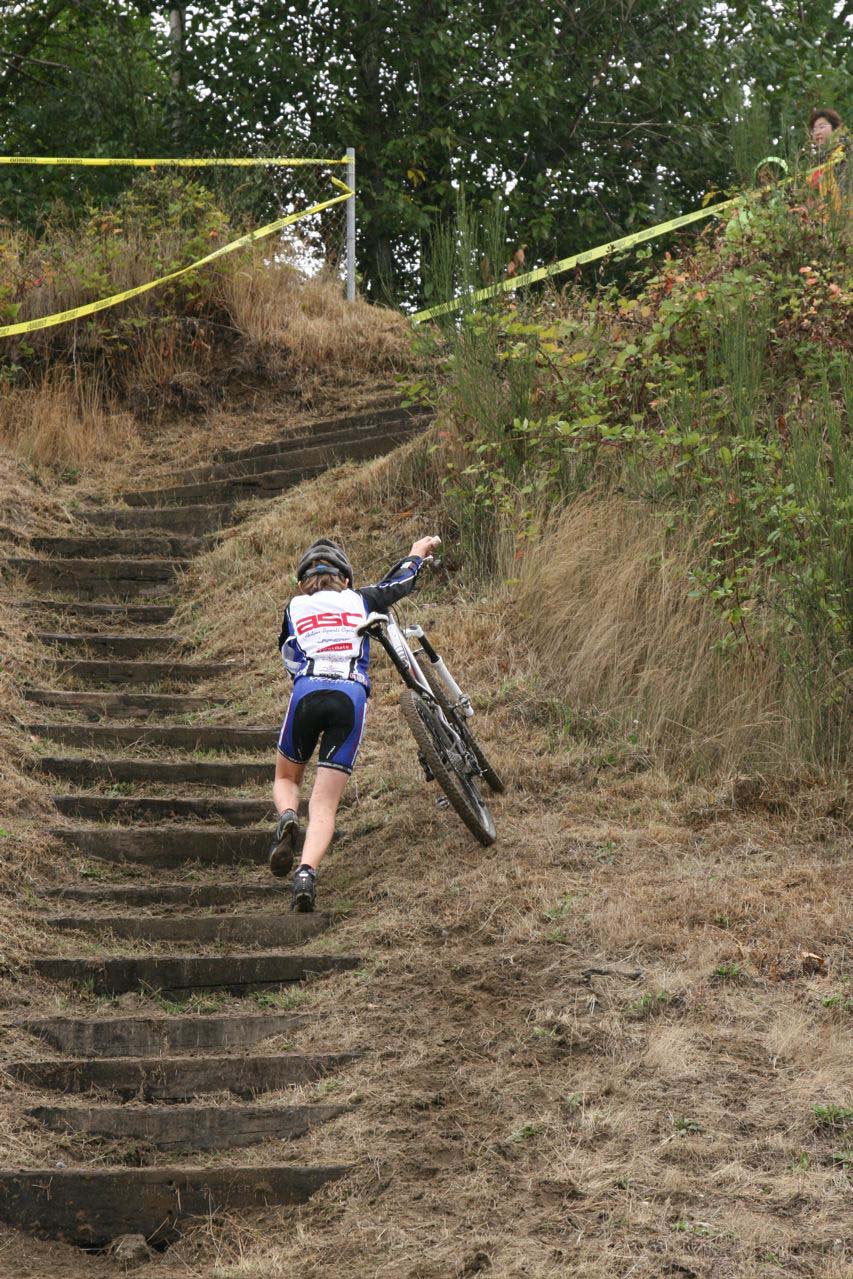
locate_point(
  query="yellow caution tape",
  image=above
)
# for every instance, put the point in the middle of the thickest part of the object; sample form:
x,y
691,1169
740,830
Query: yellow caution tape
x,y
77,312
602,251
104,162
566,264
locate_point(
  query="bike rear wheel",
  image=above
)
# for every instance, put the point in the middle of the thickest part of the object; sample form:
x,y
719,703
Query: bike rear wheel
x,y
460,789
439,692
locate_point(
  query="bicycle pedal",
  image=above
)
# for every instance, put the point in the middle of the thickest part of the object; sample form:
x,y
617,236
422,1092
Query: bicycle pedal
x,y
442,802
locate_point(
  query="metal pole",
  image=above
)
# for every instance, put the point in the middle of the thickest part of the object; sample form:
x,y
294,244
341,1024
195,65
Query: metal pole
x,y
350,208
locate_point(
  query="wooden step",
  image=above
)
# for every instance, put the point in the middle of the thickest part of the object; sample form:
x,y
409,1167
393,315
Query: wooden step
x,y
122,705
299,454
178,519
169,846
183,974
177,1078
240,489
90,1207
137,614
150,546
105,672
381,417
90,772
127,808
276,892
155,1035
187,1127
91,578
89,644
253,930
191,737
276,479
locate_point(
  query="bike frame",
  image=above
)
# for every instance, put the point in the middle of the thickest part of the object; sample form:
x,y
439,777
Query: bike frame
x,y
386,630
447,751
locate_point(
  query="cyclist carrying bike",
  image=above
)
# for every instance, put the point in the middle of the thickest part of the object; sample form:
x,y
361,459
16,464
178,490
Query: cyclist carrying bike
x,y
327,660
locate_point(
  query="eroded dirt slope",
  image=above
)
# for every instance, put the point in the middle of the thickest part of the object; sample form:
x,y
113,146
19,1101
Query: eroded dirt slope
x,y
597,1048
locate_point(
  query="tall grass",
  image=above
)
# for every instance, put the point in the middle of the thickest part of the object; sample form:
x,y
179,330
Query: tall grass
x,y
601,595
711,395
62,424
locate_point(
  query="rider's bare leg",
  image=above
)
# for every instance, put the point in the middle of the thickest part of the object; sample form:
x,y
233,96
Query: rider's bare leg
x,y
329,786
285,787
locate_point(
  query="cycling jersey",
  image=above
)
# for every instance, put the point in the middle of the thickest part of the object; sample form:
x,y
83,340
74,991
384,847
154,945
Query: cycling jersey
x,y
318,634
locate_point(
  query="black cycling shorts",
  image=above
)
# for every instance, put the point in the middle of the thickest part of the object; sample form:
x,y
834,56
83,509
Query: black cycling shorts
x,y
329,711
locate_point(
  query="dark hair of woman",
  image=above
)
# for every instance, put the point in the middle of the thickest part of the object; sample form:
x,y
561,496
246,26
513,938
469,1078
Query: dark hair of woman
x,y
323,582
826,113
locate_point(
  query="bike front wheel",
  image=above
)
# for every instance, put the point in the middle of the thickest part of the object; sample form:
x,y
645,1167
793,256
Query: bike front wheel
x,y
489,773
460,789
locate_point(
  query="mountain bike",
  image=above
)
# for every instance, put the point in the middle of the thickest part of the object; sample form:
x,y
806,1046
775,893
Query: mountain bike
x,y
437,712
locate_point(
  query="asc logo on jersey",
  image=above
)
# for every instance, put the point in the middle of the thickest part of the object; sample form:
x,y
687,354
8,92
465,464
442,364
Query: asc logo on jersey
x,y
317,620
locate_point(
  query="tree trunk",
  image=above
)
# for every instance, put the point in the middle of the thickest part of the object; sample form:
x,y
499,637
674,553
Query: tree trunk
x,y
176,47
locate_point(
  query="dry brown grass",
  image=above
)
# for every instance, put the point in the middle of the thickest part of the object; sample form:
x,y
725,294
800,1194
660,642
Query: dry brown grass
x,y
603,599
308,324
26,508
63,425
239,328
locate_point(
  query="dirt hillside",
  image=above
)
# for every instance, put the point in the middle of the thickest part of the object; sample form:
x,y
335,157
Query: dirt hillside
x,y
616,1043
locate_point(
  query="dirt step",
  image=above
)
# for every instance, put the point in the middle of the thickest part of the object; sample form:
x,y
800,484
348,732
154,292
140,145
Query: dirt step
x,y
169,845
122,705
93,1206
115,644
379,417
254,930
106,671
177,1078
178,519
89,772
182,974
191,895
265,483
152,1036
91,578
298,453
99,546
108,808
187,1127
195,737
138,614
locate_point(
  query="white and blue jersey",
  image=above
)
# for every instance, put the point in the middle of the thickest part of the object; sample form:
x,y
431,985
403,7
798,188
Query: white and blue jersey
x,y
327,661
318,633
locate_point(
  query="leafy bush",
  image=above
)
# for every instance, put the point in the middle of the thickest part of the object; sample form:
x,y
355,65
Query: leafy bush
x,y
715,389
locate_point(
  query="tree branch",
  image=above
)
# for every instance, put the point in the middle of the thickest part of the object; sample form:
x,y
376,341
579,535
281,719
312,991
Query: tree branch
x,y
31,40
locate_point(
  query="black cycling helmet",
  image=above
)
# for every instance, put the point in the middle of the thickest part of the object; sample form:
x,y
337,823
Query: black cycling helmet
x,y
329,554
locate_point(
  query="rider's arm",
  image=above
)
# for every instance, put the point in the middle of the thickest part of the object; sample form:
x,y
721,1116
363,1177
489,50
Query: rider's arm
x,y
396,583
288,645
400,579
286,629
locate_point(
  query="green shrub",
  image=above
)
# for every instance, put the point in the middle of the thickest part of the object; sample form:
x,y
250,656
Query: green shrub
x,y
715,388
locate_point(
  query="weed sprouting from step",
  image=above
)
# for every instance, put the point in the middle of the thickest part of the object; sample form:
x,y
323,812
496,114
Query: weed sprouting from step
x,y
833,1116
284,1000
193,1004
729,972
